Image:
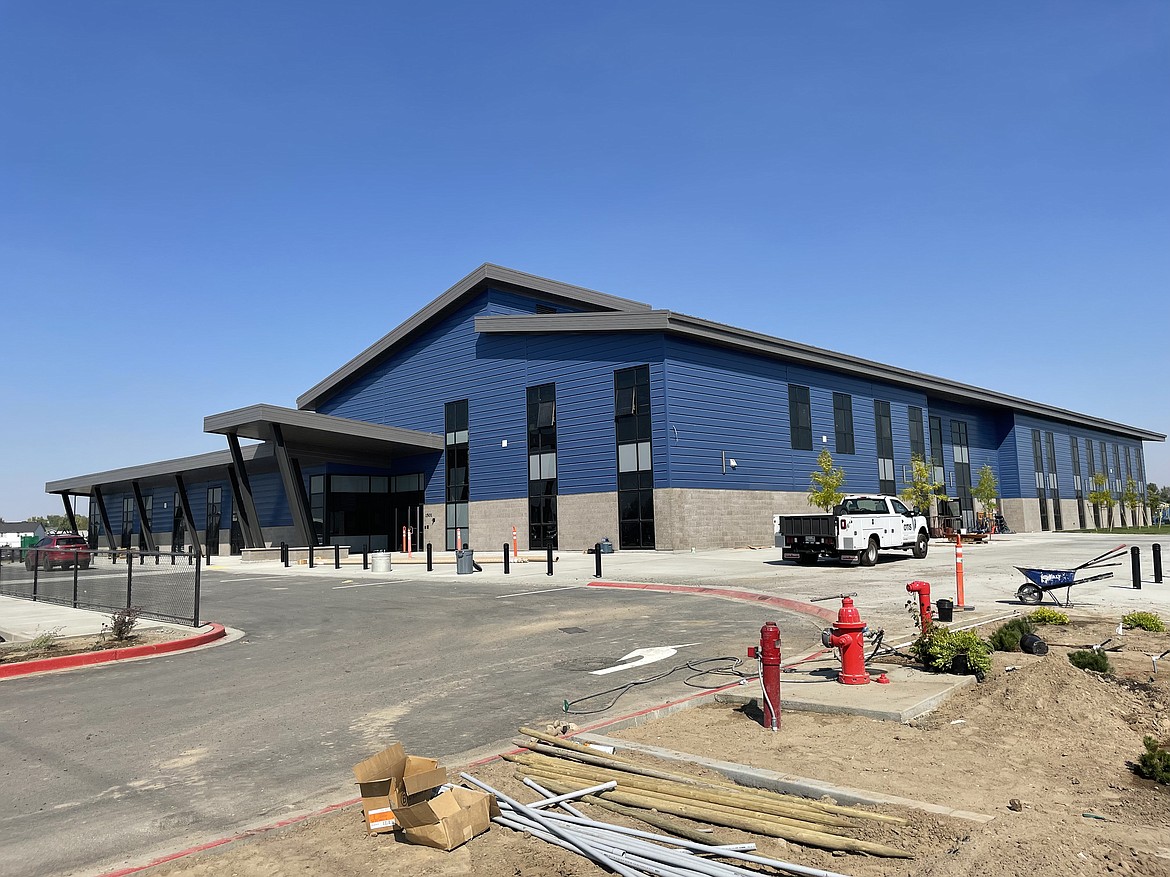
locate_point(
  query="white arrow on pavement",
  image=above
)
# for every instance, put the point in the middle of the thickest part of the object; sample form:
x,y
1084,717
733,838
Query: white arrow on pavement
x,y
644,656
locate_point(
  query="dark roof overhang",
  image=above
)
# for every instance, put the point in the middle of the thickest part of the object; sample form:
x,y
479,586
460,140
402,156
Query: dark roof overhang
x,y
307,429
483,276
681,325
82,485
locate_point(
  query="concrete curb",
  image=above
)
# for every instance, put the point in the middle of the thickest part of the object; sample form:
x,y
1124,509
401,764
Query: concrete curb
x,y
86,659
726,594
762,778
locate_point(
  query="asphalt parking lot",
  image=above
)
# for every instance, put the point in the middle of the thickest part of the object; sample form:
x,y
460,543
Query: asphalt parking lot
x,y
113,764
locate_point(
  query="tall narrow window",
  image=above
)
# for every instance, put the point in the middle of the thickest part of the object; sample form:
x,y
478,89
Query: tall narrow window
x,y
1078,484
936,451
1038,464
127,520
212,525
843,422
1117,483
885,446
962,453
317,496
635,470
1092,473
1053,481
917,439
1141,477
95,521
799,418
458,477
542,466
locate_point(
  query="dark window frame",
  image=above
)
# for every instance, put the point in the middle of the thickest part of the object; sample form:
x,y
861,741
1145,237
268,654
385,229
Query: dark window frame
x,y
799,418
843,423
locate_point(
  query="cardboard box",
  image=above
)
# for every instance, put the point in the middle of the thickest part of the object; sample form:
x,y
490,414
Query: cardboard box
x,y
391,780
448,820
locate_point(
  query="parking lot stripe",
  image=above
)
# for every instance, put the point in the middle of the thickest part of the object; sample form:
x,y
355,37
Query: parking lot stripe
x,y
542,591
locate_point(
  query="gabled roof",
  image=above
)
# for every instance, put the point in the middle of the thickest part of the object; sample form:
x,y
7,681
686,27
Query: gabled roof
x,y
681,325
483,276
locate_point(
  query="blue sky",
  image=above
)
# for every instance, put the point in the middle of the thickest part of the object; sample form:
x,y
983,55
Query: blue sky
x,y
204,205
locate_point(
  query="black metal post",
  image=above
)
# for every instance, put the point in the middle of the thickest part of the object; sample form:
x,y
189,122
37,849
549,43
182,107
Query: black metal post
x,y
366,557
1157,564
337,557
430,559
549,560
507,563
1136,564
284,554
597,560
129,579
209,554
311,547
76,557
36,576
197,580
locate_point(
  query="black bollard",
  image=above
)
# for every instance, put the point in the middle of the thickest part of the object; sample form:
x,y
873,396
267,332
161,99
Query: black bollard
x,y
549,560
597,560
284,554
311,546
366,557
1136,563
430,559
507,564
1157,564
337,557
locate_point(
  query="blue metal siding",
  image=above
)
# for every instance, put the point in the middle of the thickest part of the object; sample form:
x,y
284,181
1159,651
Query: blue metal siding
x,y
1009,466
272,506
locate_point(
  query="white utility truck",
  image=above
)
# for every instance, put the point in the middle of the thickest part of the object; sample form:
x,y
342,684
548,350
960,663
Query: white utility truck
x,y
860,527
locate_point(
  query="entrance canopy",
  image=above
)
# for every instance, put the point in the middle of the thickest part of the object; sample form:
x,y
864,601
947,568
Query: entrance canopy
x,y
308,429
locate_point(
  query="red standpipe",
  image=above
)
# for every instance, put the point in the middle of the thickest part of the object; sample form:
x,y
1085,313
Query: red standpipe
x,y
768,654
848,635
922,589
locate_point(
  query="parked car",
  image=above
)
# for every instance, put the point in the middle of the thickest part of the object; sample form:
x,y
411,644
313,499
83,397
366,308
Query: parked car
x,y
63,550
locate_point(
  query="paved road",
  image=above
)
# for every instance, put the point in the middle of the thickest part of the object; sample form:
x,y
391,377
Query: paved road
x,y
107,765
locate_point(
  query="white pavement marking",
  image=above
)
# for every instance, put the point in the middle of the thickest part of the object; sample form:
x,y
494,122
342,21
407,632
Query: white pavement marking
x,y
542,591
362,585
253,579
644,656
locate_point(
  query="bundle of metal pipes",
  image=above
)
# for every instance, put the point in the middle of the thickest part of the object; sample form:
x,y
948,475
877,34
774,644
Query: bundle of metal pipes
x,y
566,766
629,851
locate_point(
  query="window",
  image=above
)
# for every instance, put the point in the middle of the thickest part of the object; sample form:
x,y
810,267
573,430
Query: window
x,y
542,466
843,422
963,472
899,507
917,440
178,527
799,418
317,506
635,464
213,518
936,450
885,446
1053,481
127,520
1092,472
1117,485
458,478
1038,464
1078,484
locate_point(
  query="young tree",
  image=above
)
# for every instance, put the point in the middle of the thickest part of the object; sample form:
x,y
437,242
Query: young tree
x,y
1100,495
825,490
1131,499
1154,501
922,487
987,491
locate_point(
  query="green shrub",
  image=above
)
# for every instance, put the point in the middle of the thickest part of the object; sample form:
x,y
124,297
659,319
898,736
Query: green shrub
x,y
1047,616
1144,620
941,649
1154,763
1090,659
45,641
1006,638
121,625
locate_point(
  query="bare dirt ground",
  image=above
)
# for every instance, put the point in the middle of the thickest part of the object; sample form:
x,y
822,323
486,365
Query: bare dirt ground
x,y
16,652
1056,739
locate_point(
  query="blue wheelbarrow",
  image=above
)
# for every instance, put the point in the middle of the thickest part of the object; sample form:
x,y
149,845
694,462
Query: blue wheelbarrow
x,y
1046,581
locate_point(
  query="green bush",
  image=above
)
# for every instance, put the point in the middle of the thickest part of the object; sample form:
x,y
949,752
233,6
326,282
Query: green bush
x,y
1154,763
1006,638
1090,659
1144,620
941,648
45,641
121,626
1047,616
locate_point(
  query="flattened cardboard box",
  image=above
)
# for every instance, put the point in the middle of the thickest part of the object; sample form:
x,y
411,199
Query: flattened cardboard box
x,y
448,820
393,779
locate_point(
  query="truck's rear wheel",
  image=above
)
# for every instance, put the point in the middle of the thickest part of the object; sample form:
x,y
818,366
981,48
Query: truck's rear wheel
x,y
921,544
806,558
870,555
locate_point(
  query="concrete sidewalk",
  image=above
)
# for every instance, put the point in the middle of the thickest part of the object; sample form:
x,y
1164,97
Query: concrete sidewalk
x,y
23,620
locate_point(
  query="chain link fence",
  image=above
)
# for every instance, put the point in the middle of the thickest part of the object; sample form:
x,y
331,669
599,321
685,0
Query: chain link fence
x,y
161,585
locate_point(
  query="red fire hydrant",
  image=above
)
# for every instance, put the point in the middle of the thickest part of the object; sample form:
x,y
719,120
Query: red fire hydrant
x,y
768,654
922,589
848,635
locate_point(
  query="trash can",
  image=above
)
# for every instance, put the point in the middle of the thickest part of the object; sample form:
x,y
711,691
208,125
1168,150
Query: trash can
x,y
464,561
946,610
380,561
606,546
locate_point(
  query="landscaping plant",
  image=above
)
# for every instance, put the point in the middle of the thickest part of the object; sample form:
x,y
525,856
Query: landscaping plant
x,y
1154,763
946,651
121,624
1090,659
1045,615
45,641
1144,620
1006,638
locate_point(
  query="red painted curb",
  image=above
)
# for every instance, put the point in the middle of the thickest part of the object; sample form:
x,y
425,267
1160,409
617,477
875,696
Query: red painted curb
x,y
85,659
727,594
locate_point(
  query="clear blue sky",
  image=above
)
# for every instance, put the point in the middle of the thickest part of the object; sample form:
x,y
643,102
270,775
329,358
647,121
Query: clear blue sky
x,y
205,205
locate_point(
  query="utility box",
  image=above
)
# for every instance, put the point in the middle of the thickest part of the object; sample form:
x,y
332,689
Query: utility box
x,y
464,561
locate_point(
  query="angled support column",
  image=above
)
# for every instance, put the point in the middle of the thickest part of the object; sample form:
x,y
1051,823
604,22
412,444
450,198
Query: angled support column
x,y
181,489
105,518
143,519
294,489
69,511
242,492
